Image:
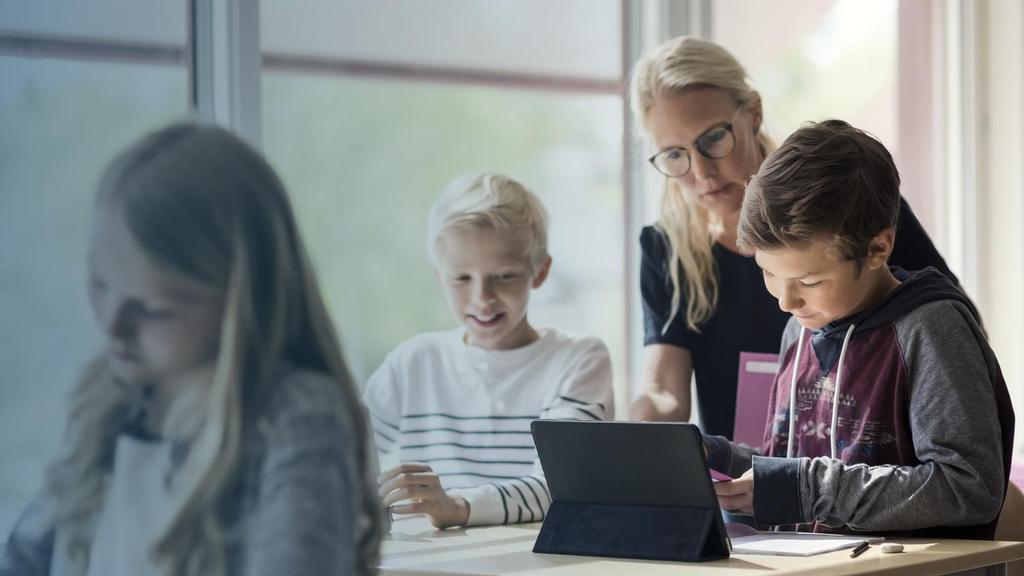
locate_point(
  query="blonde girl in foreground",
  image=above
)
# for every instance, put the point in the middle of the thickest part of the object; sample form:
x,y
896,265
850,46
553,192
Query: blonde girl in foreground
x,y
219,432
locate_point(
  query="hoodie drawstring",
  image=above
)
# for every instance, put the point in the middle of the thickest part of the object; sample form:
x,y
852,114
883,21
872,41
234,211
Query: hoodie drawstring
x,y
835,394
792,393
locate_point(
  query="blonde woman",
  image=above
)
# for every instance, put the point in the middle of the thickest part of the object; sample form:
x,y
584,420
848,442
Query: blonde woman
x,y
219,431
704,301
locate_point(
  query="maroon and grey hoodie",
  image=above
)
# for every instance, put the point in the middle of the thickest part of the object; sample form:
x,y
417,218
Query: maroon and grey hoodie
x,y
923,420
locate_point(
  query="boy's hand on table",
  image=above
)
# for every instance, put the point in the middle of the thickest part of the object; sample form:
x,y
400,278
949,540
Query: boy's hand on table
x,y
737,494
421,487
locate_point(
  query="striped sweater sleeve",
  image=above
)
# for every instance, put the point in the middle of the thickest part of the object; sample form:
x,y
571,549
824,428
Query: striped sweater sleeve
x,y
523,499
584,393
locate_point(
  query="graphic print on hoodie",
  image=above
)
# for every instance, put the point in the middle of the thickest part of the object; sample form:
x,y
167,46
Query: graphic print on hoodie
x,y
890,354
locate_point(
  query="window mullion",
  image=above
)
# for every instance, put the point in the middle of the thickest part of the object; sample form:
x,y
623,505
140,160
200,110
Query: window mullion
x,y
226,65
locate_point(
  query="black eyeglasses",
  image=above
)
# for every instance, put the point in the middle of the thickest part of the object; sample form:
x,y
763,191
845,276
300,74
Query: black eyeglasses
x,y
716,142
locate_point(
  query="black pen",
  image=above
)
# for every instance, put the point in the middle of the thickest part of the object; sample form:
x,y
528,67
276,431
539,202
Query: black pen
x,y
860,549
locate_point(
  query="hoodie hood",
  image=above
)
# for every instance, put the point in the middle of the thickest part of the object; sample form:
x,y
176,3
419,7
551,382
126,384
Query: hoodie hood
x,y
915,290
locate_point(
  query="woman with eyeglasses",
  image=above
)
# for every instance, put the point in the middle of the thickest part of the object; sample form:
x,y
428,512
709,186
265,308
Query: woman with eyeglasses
x,y
705,302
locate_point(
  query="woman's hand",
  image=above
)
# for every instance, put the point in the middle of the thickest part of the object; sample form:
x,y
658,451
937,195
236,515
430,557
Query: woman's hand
x,y
667,371
420,487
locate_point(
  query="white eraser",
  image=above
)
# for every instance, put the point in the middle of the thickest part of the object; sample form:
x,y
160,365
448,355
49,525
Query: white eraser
x,y
891,547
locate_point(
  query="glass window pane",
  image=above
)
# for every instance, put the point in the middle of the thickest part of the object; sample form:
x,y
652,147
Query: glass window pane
x,y
365,159
576,38
817,60
146,21
60,123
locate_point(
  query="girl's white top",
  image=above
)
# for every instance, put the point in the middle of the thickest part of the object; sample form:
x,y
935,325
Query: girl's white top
x,y
134,510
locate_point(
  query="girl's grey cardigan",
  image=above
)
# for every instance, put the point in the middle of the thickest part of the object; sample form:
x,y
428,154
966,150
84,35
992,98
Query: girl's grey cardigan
x,y
296,505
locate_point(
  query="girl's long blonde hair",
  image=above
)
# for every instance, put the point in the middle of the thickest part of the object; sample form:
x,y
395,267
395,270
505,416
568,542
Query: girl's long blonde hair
x,y
664,72
204,204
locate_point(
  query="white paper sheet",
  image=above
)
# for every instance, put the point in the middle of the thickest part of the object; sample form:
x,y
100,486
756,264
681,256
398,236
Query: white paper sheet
x,y
797,543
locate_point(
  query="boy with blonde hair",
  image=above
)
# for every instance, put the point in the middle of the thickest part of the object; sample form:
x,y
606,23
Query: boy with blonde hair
x,y
452,410
889,412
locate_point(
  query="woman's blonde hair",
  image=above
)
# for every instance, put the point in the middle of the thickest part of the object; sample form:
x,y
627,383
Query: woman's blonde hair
x,y
492,202
667,71
204,204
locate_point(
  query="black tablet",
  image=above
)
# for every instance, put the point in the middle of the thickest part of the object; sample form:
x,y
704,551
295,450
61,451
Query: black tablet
x,y
628,481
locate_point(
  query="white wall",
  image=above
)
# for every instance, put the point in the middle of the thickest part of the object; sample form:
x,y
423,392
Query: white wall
x,y
1001,188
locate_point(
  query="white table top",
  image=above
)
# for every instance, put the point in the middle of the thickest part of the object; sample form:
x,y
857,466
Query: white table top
x,y
415,547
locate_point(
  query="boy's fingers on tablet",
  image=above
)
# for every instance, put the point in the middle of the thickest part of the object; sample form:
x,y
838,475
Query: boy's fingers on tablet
x,y
742,502
729,502
741,485
730,488
737,494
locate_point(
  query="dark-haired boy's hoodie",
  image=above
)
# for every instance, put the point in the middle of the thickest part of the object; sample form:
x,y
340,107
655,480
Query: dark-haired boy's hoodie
x,y
925,425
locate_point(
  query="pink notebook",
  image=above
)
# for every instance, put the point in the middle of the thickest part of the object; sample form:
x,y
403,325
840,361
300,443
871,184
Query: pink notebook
x,y
754,386
1017,472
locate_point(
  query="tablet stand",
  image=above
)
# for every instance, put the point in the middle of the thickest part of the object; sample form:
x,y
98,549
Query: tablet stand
x,y
641,532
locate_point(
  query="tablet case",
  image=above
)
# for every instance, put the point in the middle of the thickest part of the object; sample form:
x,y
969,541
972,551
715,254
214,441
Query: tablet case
x,y
753,390
629,490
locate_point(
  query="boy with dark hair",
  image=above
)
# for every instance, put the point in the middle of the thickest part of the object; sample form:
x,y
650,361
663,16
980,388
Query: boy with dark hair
x,y
889,412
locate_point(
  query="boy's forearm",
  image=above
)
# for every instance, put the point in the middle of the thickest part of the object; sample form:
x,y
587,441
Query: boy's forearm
x,y
862,497
777,490
880,498
894,497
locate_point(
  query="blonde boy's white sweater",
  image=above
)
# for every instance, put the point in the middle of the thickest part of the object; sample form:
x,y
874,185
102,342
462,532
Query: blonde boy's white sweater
x,y
466,412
